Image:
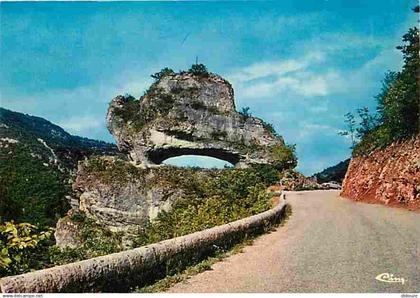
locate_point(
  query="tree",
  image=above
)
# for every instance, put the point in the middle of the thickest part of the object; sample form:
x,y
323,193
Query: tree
x,y
245,112
162,73
199,70
368,122
351,129
398,109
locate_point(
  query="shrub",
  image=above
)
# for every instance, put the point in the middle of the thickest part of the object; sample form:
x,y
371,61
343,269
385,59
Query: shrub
x,y
199,70
22,248
208,202
29,190
270,128
245,112
284,157
162,73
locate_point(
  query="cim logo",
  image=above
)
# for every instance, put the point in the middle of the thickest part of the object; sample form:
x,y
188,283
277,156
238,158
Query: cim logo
x,y
389,277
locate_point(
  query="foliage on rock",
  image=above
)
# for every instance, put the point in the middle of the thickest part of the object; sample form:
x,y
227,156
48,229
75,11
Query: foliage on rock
x,y
284,157
199,70
190,112
95,241
162,73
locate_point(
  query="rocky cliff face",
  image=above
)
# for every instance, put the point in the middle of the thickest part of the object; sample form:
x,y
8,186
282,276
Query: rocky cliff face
x,y
189,114
387,176
122,197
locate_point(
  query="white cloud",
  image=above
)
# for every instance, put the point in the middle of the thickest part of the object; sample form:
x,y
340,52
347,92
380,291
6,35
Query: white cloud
x,y
275,68
82,124
308,129
314,72
300,76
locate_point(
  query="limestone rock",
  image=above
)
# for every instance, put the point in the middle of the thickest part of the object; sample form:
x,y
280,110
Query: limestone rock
x,y
189,114
67,232
123,197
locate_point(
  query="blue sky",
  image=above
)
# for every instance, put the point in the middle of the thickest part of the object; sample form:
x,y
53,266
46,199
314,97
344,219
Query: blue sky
x,y
298,64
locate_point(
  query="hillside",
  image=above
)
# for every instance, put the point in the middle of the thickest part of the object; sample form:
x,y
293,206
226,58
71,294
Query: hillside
x,y
37,163
333,173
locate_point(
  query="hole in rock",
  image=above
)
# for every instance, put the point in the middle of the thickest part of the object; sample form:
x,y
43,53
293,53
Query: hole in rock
x,y
197,161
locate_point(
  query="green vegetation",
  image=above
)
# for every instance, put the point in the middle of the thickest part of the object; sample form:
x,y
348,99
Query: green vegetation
x,y
397,116
31,190
245,112
285,157
36,165
95,241
232,195
22,248
162,73
269,127
211,198
132,112
199,69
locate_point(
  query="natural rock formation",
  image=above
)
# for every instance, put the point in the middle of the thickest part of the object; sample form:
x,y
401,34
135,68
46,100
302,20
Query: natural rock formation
x,y
291,180
123,197
388,176
67,232
180,114
186,113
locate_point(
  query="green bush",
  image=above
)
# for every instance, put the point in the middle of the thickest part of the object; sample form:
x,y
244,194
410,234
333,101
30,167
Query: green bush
x,y
284,156
245,112
162,73
199,70
132,111
22,248
231,195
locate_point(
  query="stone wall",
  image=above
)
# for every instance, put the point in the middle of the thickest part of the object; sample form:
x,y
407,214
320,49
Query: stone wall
x,y
388,176
137,267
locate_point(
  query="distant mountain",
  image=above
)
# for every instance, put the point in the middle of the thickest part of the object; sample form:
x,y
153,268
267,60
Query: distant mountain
x,y
334,173
37,164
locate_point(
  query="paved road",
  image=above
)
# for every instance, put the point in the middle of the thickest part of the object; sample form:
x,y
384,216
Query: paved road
x,y
330,244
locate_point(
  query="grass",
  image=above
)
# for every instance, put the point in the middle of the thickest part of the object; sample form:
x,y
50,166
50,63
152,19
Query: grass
x,y
206,264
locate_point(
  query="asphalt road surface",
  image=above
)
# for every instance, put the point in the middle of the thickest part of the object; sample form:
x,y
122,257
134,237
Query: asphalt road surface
x,y
329,244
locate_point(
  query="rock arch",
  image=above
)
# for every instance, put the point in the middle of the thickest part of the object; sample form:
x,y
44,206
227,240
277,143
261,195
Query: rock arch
x,y
189,114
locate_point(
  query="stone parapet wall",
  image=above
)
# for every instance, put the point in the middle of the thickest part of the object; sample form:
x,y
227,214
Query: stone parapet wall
x,y
136,267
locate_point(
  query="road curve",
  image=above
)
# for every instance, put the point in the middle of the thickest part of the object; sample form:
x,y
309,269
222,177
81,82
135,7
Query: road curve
x,y
330,244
